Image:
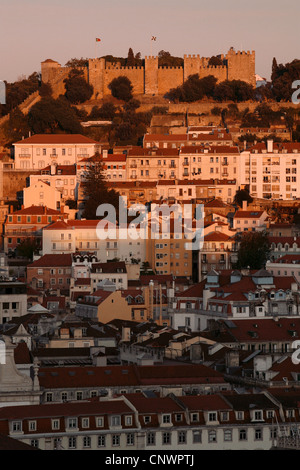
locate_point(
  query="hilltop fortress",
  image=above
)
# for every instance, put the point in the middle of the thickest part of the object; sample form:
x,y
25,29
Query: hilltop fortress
x,y
151,79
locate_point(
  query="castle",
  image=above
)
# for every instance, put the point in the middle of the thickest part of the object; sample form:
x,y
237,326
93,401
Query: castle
x,y
152,79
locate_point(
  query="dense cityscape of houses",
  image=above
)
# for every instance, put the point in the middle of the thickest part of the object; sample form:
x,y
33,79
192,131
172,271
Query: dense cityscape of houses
x,y
140,343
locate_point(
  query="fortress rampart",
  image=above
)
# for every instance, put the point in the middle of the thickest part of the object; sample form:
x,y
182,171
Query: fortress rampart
x,y
152,79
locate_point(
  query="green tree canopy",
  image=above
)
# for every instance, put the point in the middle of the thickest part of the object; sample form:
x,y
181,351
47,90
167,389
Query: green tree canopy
x,y
96,191
15,127
78,90
254,250
52,116
121,88
242,195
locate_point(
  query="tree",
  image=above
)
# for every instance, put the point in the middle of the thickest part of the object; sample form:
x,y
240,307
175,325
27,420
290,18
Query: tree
x,y
254,250
234,90
130,58
242,195
121,88
193,89
106,111
215,61
53,116
78,90
96,191
15,127
28,247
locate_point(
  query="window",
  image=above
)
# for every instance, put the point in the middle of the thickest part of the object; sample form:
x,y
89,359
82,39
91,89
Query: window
x,y
212,436
55,424
32,425
147,419
72,423
86,442
227,435
181,437
178,417
150,439
115,440
194,417
166,438
17,426
212,416
258,434
85,422
72,442
166,419
101,441
34,443
128,420
242,435
100,422
49,397
116,420
197,437
130,439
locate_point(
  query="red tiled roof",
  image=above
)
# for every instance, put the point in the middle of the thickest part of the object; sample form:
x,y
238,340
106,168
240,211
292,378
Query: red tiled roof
x,y
36,210
216,237
50,260
249,214
57,139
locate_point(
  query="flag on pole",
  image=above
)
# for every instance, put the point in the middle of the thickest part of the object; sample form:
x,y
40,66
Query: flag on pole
x,y
153,38
98,39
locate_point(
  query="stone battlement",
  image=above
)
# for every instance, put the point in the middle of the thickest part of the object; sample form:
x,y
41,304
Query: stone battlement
x,y
151,78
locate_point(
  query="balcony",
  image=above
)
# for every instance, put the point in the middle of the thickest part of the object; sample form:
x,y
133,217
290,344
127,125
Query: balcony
x,y
185,163
225,163
25,155
172,166
133,165
133,177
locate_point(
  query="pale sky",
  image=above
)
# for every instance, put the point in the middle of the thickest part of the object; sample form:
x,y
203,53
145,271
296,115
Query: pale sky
x,y
34,30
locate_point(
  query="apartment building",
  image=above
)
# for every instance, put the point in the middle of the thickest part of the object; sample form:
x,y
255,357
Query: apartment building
x,y
140,422
115,272
152,164
13,299
176,141
28,223
229,295
82,236
51,272
61,178
40,150
272,170
209,162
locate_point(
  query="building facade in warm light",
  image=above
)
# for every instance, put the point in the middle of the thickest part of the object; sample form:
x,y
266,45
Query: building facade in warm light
x,y
40,150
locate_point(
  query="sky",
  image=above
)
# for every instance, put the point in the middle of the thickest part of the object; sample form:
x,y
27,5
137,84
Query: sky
x,y
35,30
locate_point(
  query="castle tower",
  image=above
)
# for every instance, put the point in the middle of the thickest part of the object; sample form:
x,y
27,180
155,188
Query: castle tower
x,y
151,75
241,66
49,69
96,70
192,64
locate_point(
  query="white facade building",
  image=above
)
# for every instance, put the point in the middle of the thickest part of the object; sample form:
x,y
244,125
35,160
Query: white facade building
x,y
81,236
272,170
40,150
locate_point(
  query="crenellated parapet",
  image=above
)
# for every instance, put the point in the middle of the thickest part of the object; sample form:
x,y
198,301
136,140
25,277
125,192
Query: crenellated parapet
x,y
152,79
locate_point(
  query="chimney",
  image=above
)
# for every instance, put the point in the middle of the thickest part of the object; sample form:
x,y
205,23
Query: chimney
x,y
270,146
244,206
53,169
104,153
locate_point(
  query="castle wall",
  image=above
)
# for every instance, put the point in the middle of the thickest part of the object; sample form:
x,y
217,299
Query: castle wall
x,y
134,74
169,77
241,66
151,79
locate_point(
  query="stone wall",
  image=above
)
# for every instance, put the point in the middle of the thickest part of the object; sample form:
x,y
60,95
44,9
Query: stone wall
x,y
152,79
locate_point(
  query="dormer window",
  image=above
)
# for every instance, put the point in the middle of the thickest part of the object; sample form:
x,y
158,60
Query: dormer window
x,y
212,416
